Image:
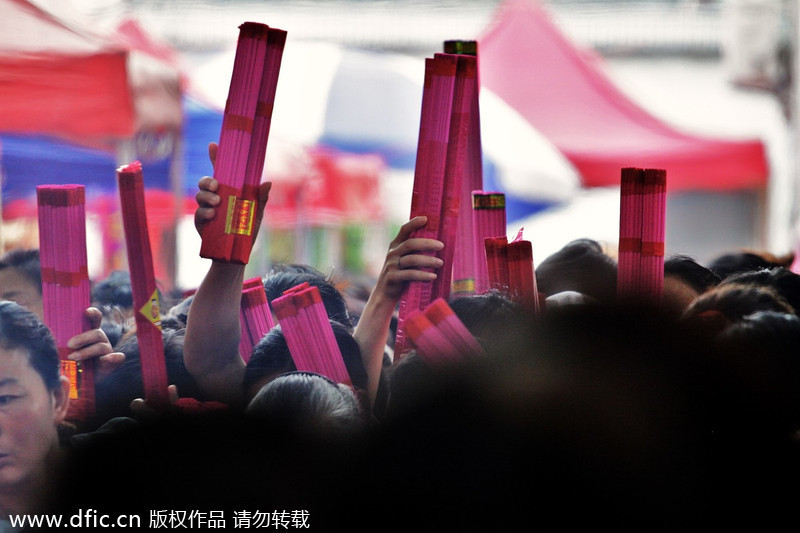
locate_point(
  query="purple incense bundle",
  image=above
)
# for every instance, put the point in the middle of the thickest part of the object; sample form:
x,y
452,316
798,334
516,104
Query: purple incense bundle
x,y
472,180
243,141
429,173
488,220
431,344
653,233
255,317
66,292
309,335
143,285
464,88
447,322
629,249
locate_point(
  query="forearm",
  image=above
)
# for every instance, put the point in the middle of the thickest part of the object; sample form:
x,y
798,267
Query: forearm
x,y
211,342
371,333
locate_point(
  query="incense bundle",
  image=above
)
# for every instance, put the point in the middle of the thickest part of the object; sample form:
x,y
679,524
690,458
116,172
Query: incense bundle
x,y
65,284
439,335
243,142
143,285
445,320
430,343
640,270
496,250
510,269
521,273
429,173
255,316
308,332
488,221
654,204
629,248
457,148
464,259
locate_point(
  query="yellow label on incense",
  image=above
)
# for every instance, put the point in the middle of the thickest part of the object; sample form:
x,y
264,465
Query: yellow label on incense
x,y
240,215
151,310
69,369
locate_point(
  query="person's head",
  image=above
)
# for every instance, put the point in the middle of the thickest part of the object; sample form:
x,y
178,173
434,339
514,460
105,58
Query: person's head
x,y
760,354
484,314
33,399
581,266
115,393
307,400
113,290
278,281
728,303
783,280
21,279
742,261
684,280
271,357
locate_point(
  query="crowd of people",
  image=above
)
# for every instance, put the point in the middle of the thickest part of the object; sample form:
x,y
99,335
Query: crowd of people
x,y
667,415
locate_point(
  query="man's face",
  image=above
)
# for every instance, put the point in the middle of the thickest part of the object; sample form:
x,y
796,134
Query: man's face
x,y
29,415
15,287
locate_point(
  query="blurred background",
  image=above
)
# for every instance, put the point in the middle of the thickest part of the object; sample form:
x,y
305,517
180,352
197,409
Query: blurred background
x,y
572,90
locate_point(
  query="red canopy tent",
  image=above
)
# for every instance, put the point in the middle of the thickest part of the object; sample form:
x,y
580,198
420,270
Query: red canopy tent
x,y
117,92
62,79
558,88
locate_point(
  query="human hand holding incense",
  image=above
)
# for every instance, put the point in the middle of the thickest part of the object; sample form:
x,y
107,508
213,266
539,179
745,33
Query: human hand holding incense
x,y
208,200
405,261
94,344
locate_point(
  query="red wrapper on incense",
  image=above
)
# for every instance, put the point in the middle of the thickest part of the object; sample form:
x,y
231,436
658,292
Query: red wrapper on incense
x,y
146,304
653,233
429,174
447,322
66,292
457,148
488,220
309,335
242,143
255,317
629,249
472,180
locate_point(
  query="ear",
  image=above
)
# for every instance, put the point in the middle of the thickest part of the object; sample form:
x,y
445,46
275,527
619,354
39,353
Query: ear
x,y
61,400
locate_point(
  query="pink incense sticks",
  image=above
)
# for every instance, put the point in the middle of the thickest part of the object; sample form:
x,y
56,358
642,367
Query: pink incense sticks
x,y
308,332
255,316
464,256
488,221
65,284
243,142
464,88
146,304
510,269
640,262
429,173
439,336
654,204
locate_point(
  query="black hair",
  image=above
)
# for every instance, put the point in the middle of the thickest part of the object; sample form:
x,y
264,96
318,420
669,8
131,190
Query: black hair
x,y
697,276
114,290
335,305
581,266
22,329
271,356
27,262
